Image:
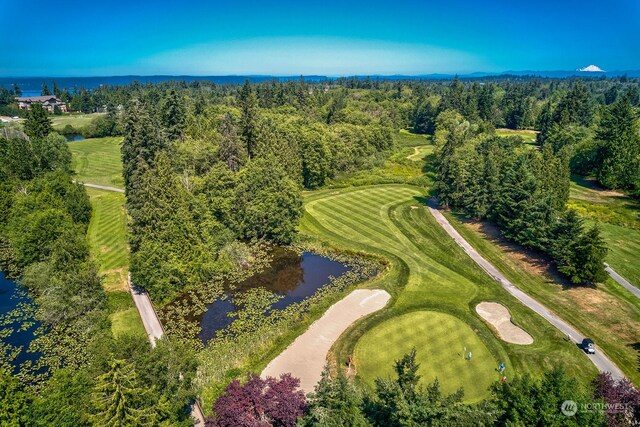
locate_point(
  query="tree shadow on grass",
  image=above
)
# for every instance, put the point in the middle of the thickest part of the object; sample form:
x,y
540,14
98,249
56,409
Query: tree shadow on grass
x,y
636,347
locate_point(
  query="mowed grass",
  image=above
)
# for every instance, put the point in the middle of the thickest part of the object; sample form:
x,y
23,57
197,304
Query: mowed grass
x,y
619,219
98,161
435,336
607,313
124,316
528,137
107,237
77,120
427,271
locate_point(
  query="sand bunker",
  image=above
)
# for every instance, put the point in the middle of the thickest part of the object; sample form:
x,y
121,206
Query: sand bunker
x,y
498,316
306,357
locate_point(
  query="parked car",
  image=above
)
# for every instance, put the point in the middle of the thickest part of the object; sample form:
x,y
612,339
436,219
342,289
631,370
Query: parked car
x,y
588,346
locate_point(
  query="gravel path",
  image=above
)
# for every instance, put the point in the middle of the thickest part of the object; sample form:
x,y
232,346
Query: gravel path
x,y
622,281
306,356
499,317
599,359
100,187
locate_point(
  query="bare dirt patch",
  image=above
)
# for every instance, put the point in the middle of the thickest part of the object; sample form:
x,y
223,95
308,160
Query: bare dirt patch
x,y
499,317
529,260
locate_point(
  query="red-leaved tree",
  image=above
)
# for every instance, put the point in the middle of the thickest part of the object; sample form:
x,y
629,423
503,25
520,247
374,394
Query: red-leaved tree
x,y
259,403
621,398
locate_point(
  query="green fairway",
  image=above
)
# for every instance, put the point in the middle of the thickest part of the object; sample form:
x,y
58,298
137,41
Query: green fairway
x,y
97,161
440,341
107,237
606,314
427,271
127,322
77,120
124,316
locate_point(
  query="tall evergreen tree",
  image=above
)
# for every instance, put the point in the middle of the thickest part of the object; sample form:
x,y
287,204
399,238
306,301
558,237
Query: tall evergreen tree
x,y
173,114
231,149
45,89
249,119
16,89
335,403
575,107
37,125
141,142
119,400
618,160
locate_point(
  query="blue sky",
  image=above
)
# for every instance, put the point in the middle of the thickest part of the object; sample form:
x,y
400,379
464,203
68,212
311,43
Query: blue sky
x,y
85,38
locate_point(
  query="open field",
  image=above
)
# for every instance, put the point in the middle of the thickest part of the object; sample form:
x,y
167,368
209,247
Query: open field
x,y
77,120
97,161
428,273
107,237
619,220
605,314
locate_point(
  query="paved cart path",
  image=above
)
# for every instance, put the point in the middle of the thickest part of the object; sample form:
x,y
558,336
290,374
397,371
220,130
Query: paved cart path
x,y
101,187
599,359
155,331
306,356
622,281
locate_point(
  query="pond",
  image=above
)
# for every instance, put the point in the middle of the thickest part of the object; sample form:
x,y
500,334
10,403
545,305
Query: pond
x,y
13,296
71,137
291,275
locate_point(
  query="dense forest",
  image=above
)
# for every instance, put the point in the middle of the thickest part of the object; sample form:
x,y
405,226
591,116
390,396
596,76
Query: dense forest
x,y
213,171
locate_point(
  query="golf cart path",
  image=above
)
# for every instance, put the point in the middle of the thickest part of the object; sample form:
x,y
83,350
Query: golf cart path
x,y
100,187
622,281
154,330
599,359
415,156
306,357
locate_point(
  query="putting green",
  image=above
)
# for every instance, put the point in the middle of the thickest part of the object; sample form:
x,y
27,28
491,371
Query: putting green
x,y
440,340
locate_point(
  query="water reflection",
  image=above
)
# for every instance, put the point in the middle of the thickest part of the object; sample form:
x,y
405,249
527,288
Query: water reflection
x,y
291,275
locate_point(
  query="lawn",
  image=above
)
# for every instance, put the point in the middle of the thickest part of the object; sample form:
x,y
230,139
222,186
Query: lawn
x,y
440,341
107,237
98,161
78,121
428,272
124,316
619,218
607,313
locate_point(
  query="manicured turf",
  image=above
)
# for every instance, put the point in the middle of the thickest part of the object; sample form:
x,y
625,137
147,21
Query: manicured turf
x,y
98,161
127,322
78,121
608,314
107,237
124,316
440,341
427,271
619,219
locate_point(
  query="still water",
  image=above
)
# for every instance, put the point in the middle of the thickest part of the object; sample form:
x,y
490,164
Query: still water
x,y
12,296
290,275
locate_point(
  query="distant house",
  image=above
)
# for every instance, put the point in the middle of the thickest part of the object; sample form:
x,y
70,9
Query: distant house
x,y
49,102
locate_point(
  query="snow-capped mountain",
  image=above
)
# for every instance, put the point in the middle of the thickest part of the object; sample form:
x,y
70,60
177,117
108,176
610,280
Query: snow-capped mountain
x,y
591,69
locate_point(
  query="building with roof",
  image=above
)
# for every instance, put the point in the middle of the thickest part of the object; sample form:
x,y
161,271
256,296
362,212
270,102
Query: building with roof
x,y
49,102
